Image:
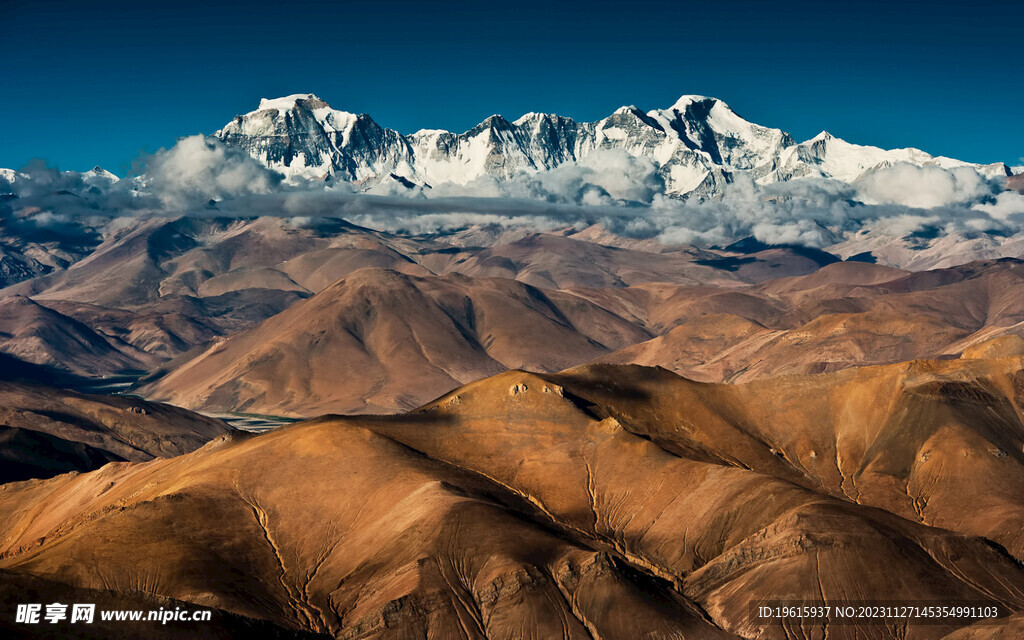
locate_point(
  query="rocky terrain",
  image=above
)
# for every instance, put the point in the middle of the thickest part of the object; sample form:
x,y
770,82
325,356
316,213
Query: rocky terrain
x,y
606,501
46,431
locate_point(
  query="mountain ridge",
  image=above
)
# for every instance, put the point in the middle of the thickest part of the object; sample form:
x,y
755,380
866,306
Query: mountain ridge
x,y
698,145
600,502
470,325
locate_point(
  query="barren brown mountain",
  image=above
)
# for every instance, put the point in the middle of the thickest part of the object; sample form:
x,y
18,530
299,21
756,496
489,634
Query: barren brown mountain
x,y
145,261
846,314
156,288
556,262
141,261
174,324
605,502
40,335
379,340
383,341
46,431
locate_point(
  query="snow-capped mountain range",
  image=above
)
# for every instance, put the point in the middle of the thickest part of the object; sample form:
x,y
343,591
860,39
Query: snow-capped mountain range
x,y
697,145
97,176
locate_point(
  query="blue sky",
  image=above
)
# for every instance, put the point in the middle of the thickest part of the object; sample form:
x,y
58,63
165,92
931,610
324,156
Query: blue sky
x,y
100,83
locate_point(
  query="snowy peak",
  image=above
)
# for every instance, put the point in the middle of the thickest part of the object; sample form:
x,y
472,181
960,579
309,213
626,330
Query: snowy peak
x,y
286,103
302,136
100,173
495,121
826,156
685,100
698,145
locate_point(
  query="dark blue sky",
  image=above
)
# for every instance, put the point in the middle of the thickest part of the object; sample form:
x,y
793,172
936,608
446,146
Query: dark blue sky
x,y
89,83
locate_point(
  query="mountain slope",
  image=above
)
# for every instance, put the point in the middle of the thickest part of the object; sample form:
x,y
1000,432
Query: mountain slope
x,y
143,262
40,335
916,439
378,340
45,431
844,315
605,502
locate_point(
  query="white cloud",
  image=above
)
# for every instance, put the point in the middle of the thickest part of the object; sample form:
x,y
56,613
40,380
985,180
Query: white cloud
x,y
198,169
1007,204
606,177
620,191
921,187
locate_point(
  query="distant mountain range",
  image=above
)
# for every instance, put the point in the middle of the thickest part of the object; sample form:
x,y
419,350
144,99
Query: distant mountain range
x,y
697,145
63,225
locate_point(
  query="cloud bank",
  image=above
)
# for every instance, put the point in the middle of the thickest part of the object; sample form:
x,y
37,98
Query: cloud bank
x,y
201,176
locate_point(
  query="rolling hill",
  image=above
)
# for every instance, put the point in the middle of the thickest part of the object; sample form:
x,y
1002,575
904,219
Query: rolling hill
x,y
605,501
